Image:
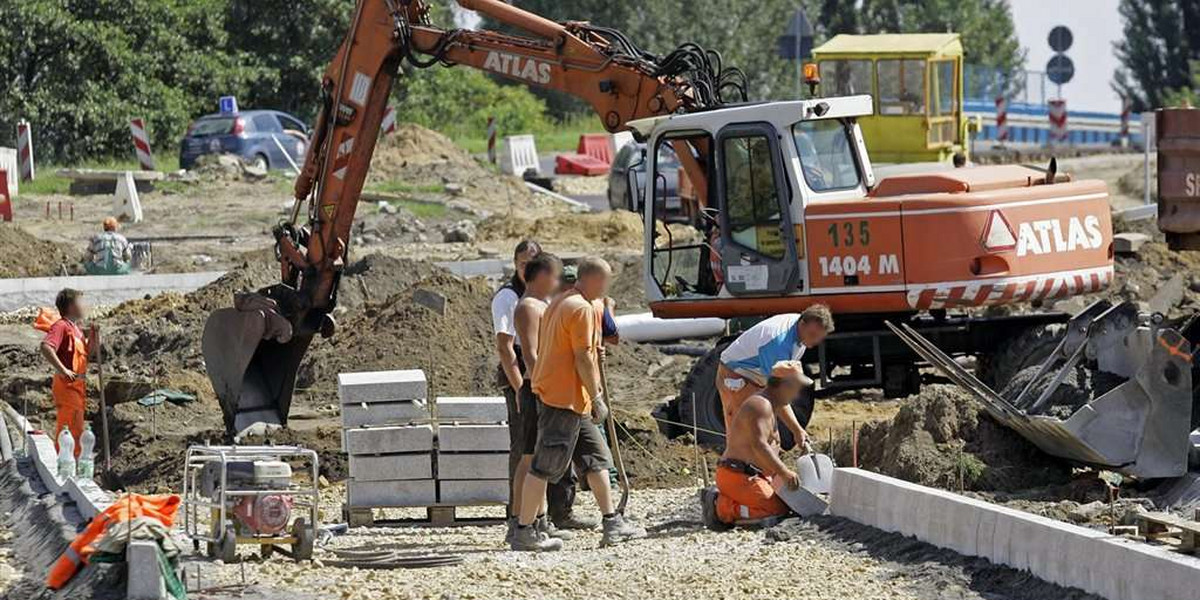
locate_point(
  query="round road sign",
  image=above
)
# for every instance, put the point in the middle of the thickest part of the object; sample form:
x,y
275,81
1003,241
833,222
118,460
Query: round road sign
x,y
1061,39
1060,69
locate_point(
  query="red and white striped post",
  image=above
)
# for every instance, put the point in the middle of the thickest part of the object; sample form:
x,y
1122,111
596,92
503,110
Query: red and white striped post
x,y
388,126
24,151
1058,121
1001,119
491,146
1126,114
141,144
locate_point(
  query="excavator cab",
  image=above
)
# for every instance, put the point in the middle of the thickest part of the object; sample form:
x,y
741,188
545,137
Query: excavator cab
x,y
748,172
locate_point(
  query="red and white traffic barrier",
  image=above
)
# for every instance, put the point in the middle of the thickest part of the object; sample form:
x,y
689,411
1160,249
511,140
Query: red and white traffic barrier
x,y
1058,120
25,151
388,126
1001,119
491,145
141,144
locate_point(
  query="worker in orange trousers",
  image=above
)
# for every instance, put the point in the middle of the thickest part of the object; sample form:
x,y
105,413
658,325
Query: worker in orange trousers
x,y
67,350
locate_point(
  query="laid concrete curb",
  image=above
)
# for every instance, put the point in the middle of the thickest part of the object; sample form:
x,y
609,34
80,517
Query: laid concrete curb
x,y
90,500
1061,553
107,289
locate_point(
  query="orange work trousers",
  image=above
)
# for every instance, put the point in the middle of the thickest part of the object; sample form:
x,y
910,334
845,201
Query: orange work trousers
x,y
70,401
741,497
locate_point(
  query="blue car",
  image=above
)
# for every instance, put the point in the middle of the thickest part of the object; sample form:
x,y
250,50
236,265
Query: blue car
x,y
260,137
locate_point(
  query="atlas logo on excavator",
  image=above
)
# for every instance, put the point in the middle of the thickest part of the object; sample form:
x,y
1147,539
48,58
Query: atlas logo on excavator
x,y
1049,235
518,66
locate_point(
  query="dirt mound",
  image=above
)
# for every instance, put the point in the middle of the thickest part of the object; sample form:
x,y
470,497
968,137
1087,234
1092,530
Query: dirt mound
x,y
454,349
27,256
615,230
415,145
941,438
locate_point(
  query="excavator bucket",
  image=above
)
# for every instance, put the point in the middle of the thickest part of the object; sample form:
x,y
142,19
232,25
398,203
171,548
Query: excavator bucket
x,y
252,359
1139,427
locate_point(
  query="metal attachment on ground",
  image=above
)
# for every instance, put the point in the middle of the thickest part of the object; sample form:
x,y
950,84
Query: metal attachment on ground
x,y
1138,427
383,559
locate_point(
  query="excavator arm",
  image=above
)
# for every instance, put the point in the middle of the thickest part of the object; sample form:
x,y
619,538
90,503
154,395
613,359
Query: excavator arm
x,y
254,350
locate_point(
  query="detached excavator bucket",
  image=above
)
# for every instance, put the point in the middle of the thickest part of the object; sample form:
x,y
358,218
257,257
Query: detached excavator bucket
x,y
252,371
1139,427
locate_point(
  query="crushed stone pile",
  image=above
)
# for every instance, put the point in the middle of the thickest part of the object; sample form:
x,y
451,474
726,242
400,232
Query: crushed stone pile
x,y
942,438
27,256
618,230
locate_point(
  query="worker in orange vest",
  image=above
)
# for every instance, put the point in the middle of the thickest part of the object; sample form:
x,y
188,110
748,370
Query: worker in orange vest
x,y
66,349
125,508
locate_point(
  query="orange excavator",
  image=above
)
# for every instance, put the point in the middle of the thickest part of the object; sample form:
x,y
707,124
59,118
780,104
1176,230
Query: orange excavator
x,y
253,351
791,212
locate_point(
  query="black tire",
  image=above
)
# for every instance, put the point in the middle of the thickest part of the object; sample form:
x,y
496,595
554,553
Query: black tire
x,y
1028,348
701,384
261,161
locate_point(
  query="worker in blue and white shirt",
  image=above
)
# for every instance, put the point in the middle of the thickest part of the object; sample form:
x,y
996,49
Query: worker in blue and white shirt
x,y
747,362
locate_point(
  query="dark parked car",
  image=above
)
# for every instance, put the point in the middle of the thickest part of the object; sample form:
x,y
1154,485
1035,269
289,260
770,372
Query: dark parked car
x,y
632,156
255,135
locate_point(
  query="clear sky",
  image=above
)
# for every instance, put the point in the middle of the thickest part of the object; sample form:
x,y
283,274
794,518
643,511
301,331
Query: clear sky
x,y
1096,25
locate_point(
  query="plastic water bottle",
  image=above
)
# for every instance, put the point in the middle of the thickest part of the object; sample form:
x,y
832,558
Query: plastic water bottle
x,y
87,456
66,455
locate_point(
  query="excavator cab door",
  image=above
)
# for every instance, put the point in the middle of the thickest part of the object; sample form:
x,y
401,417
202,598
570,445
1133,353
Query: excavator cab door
x,y
758,243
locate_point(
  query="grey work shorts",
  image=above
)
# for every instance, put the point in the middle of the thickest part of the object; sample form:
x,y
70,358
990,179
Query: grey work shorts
x,y
565,433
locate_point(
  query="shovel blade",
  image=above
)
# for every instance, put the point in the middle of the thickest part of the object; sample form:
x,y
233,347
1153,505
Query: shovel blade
x,y
254,378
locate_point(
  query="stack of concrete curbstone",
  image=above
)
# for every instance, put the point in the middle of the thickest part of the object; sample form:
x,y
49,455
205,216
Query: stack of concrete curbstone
x,y
406,452
389,439
472,457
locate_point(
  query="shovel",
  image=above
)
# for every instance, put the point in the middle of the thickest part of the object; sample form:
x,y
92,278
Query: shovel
x,y
816,470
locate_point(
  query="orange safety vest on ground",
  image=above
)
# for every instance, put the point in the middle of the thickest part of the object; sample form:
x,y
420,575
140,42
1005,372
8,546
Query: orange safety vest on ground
x,y
70,397
125,508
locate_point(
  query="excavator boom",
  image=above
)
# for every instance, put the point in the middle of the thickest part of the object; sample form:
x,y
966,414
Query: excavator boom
x,y
254,349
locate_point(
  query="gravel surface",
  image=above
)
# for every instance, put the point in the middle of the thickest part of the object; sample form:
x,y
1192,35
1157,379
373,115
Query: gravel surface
x,y
828,559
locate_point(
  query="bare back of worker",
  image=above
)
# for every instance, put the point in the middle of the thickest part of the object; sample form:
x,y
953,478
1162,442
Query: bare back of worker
x,y
751,436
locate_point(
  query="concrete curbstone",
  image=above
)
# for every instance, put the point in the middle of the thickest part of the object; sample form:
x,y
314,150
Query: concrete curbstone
x,y
489,409
479,491
89,499
391,467
472,466
390,440
473,438
145,580
1057,552
382,386
421,492
383,413
45,460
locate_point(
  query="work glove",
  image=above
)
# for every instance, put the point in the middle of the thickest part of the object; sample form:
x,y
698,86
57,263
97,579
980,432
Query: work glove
x,y
599,409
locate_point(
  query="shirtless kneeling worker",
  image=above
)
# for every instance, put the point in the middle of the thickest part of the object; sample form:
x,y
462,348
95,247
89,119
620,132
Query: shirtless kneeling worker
x,y
751,458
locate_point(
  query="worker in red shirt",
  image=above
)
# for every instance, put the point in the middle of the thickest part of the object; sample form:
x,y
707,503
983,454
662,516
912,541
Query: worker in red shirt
x,y
66,349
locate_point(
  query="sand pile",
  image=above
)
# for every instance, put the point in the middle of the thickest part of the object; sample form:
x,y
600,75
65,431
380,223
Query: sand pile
x,y
941,438
618,230
27,256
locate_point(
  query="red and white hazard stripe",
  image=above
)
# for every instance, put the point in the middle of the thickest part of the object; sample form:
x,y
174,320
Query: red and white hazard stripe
x,y
388,126
1001,119
141,144
491,140
25,151
987,292
1058,120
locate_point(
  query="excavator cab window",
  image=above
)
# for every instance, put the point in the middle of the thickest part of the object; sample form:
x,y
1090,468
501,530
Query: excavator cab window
x,y
826,155
757,243
684,264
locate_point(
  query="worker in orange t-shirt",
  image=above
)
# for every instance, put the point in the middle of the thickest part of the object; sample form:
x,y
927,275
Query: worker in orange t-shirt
x,y
66,349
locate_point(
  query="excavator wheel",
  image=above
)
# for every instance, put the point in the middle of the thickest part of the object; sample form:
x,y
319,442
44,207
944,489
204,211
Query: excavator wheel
x,y
1026,349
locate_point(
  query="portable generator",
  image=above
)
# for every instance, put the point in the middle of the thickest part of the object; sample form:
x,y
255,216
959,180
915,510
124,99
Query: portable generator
x,y
251,495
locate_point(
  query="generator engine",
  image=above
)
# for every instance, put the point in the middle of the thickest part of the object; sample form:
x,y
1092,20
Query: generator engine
x,y
264,514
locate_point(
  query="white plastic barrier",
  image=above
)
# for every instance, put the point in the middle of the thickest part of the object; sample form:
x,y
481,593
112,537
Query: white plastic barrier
x,y
644,327
126,203
8,163
520,155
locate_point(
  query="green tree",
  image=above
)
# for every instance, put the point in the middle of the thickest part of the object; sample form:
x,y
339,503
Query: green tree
x,y
1161,38
291,42
457,101
79,71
